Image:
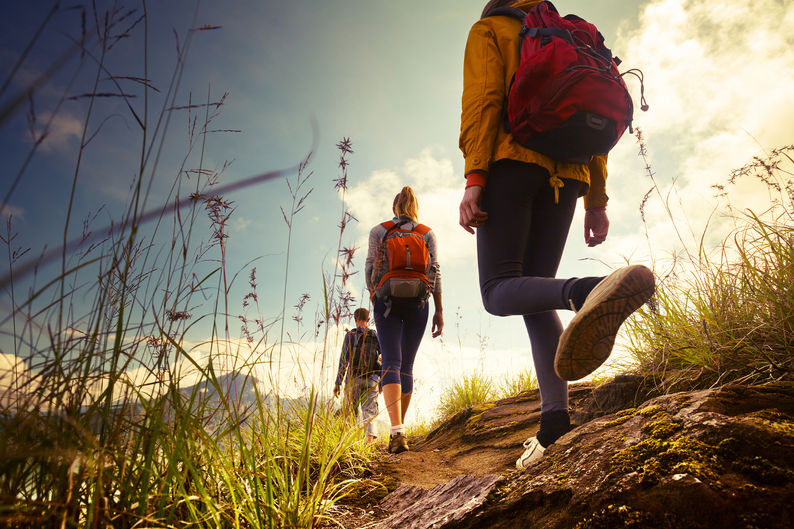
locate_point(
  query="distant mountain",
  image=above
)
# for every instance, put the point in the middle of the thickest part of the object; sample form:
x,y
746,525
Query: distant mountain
x,y
239,390
234,387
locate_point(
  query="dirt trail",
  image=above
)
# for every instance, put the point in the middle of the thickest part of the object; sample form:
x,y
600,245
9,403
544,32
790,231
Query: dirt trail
x,y
479,441
488,439
483,440
424,466
708,458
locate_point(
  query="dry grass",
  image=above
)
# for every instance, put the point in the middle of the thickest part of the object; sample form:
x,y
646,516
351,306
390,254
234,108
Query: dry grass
x,y
99,426
728,318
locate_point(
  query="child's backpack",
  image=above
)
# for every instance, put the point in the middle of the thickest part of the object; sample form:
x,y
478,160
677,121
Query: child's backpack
x,y
400,270
364,360
567,99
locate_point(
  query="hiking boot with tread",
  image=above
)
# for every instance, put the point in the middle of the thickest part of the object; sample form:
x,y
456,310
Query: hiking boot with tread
x,y
587,341
398,443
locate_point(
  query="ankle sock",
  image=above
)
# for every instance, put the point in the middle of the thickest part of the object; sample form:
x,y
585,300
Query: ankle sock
x,y
576,291
400,428
553,425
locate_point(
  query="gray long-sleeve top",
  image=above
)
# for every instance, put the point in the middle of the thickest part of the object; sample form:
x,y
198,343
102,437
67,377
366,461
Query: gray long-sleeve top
x,y
376,234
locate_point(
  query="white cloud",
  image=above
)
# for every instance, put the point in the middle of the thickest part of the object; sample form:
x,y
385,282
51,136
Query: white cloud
x,y
241,223
438,189
717,77
16,381
707,61
63,133
9,210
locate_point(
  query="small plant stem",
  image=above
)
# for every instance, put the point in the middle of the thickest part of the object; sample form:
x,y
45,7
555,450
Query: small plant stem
x,y
146,87
80,152
284,295
27,49
643,153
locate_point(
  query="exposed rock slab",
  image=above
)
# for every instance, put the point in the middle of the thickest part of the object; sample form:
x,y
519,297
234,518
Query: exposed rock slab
x,y
436,508
487,439
715,458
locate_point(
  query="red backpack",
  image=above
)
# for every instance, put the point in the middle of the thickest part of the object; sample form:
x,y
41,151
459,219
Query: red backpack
x,y
400,269
567,99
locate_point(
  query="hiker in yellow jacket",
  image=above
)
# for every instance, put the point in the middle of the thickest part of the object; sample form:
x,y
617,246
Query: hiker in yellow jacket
x,y
522,203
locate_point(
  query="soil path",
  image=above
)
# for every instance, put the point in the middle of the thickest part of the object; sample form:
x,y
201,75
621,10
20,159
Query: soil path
x,y
479,441
482,440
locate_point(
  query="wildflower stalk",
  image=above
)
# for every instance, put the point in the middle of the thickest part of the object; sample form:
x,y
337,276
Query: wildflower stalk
x,y
337,298
298,203
100,427
728,319
643,153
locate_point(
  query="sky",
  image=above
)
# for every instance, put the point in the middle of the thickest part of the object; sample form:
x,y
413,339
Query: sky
x,y
300,76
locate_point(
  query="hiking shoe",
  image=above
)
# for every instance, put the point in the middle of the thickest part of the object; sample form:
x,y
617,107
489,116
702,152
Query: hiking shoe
x,y
398,443
587,341
533,451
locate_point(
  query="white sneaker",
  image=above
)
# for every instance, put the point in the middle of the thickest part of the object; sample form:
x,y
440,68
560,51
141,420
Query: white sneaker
x,y
533,451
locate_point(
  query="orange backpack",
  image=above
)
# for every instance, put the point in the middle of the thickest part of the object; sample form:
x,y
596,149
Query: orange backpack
x,y
402,263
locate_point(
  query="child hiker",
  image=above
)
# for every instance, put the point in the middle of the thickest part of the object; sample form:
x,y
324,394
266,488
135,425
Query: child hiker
x,y
359,366
521,203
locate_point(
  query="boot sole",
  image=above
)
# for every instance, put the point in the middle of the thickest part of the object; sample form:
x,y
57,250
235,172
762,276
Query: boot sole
x,y
587,341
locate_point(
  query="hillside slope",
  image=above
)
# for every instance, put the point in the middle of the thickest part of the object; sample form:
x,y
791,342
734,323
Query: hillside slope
x,y
722,457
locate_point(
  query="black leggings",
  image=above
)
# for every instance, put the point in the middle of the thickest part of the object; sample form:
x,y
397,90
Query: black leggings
x,y
518,252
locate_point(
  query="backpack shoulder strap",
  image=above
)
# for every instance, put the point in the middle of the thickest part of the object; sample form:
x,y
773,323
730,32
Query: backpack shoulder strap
x,y
369,334
357,337
351,335
505,11
356,345
390,226
421,229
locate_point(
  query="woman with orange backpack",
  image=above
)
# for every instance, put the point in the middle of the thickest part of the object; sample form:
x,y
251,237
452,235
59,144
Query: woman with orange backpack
x,y
521,203
402,273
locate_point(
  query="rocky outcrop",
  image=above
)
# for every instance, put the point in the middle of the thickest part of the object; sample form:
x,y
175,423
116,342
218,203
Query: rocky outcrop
x,y
444,504
714,458
487,439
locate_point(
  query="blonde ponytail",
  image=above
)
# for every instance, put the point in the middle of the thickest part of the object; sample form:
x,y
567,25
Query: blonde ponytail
x,y
406,205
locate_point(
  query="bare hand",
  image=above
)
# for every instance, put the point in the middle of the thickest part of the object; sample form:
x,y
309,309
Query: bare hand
x,y
596,226
438,324
336,391
471,216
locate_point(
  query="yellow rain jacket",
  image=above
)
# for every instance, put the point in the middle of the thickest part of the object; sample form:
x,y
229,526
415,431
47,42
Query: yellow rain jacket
x,y
490,61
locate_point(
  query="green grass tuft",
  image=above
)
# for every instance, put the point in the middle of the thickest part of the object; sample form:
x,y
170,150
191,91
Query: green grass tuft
x,y
469,391
731,317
